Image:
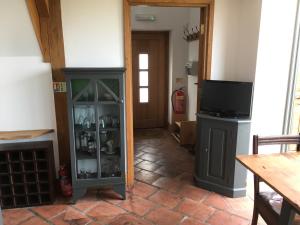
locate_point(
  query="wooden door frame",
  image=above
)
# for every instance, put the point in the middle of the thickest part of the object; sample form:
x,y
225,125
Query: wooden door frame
x,y
205,55
166,72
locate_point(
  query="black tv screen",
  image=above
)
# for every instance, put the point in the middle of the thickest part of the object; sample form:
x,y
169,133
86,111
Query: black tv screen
x,y
226,98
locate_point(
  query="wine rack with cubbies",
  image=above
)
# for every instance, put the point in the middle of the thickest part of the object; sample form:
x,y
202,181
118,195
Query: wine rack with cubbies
x,y
26,174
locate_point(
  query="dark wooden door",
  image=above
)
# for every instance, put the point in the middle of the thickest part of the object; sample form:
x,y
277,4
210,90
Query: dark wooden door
x,y
150,84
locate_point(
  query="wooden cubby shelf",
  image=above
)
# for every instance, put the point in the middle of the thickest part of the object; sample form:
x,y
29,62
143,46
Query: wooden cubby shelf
x,y
26,174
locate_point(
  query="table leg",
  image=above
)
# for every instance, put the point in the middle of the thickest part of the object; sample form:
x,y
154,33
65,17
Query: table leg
x,y
287,214
1,219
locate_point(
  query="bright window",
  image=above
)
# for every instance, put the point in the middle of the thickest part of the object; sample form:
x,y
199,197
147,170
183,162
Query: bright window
x,y
143,78
143,61
144,95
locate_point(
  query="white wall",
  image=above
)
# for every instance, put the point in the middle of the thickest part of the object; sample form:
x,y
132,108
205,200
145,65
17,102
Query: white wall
x,y
170,19
193,55
248,34
26,96
273,63
17,37
235,39
93,33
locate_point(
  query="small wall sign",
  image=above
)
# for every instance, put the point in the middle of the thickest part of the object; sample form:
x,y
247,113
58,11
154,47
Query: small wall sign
x,y
59,87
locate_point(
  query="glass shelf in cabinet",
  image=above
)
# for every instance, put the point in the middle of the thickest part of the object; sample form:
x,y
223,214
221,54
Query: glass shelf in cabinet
x,y
86,155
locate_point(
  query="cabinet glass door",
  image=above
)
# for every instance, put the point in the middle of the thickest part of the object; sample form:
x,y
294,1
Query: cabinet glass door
x,y
108,111
85,130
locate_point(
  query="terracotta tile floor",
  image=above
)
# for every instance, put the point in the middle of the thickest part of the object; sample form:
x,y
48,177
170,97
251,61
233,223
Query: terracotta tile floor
x,y
163,194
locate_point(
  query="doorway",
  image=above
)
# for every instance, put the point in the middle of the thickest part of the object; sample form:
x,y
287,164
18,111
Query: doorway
x,y
205,53
150,78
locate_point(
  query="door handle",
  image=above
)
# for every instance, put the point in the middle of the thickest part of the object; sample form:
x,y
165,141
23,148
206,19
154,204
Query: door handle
x,y
206,149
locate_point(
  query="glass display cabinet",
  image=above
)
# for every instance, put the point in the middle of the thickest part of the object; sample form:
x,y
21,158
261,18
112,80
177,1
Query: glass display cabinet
x,y
96,123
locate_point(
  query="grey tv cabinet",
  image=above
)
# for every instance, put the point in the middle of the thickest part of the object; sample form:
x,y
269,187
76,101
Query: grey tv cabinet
x,y
219,140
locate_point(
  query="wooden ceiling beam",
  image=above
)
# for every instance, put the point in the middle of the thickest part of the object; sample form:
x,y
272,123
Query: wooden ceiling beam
x,y
40,24
46,20
42,7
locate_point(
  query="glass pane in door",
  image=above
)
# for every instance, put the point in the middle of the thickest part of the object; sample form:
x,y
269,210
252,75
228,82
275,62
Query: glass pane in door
x,y
83,90
144,95
143,77
85,141
109,136
108,90
84,117
110,153
143,61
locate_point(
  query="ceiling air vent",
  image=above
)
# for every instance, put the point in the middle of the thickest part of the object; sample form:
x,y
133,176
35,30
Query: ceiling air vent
x,y
145,17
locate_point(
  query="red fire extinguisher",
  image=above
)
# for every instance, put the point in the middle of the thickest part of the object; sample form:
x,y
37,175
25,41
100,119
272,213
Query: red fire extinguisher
x,y
178,101
65,181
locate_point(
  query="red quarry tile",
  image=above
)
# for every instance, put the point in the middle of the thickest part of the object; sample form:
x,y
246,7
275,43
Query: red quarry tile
x,y
150,150
187,166
136,170
70,218
166,199
164,216
49,210
242,207
35,221
216,201
168,171
85,205
188,207
16,216
186,178
104,211
169,184
146,165
151,157
110,196
146,176
193,192
73,214
203,212
86,202
143,190
137,161
190,221
226,218
195,209
139,154
129,220
137,205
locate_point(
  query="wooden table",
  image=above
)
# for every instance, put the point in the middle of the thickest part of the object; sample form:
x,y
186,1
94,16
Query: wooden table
x,y
281,172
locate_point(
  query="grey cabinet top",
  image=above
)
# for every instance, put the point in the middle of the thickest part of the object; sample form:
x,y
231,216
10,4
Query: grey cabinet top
x,y
235,120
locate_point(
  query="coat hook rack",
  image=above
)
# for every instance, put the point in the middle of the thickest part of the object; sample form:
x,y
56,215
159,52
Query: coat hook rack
x,y
191,35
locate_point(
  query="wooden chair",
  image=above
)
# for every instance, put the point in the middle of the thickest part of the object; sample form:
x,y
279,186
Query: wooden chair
x,y
268,204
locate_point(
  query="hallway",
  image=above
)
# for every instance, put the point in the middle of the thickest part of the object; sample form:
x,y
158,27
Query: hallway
x,y
162,163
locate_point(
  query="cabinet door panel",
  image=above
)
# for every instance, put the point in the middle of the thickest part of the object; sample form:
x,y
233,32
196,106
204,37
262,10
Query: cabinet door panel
x,y
217,153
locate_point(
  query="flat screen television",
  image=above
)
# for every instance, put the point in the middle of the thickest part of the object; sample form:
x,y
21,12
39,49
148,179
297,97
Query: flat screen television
x,y
226,98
